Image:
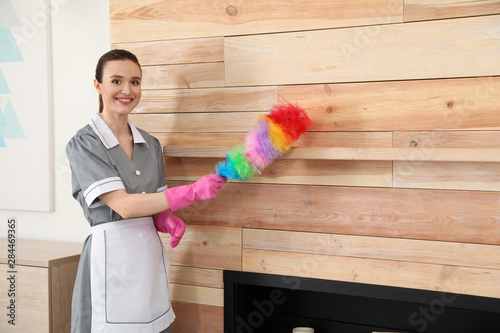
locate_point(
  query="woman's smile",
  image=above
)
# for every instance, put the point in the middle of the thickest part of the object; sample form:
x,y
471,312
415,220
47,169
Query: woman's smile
x,y
125,101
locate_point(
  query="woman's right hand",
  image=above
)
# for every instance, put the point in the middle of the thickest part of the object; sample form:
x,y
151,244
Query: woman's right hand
x,y
206,188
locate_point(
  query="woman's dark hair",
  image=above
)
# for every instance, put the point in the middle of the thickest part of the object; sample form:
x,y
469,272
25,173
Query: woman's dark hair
x,y
117,54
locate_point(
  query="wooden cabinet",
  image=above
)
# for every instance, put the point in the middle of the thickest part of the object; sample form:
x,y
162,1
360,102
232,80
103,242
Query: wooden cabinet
x,y
36,292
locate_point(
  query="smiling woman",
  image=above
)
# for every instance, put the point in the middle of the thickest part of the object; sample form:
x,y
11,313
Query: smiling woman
x,y
118,178
118,70
119,88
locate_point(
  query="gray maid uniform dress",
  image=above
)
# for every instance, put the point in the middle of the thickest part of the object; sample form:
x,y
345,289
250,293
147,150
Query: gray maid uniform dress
x,y
122,280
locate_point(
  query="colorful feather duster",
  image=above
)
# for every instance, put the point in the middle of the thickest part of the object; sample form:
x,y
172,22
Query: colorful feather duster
x,y
273,136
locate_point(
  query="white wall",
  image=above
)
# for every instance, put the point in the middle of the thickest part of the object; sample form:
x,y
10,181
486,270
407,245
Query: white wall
x,y
80,35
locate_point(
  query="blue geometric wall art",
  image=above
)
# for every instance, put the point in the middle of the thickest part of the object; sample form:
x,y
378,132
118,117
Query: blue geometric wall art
x,y
4,88
3,122
25,106
10,128
9,52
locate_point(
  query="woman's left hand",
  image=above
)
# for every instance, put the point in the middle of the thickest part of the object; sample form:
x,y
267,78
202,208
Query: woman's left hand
x,y
167,222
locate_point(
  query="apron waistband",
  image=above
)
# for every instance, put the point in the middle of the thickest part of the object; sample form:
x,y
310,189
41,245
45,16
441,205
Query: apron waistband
x,y
122,224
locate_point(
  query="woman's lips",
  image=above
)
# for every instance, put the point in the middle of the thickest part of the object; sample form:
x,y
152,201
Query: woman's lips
x,y
124,100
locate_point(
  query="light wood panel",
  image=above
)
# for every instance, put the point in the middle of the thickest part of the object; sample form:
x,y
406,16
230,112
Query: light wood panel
x,y
457,216
430,252
400,105
199,139
317,172
387,52
444,175
42,253
174,142
224,122
198,318
62,283
183,51
447,139
208,100
31,299
454,279
183,76
202,277
311,172
359,154
345,139
196,294
429,10
206,247
397,154
45,274
422,94
140,20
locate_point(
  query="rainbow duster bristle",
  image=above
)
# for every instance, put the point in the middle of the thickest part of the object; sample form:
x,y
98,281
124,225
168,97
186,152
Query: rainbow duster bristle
x,y
274,135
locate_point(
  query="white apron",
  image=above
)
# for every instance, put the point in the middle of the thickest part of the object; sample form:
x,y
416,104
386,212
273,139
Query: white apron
x,y
129,278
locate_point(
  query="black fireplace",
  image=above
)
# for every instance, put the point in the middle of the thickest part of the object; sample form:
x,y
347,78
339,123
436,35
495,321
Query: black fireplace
x,y
265,303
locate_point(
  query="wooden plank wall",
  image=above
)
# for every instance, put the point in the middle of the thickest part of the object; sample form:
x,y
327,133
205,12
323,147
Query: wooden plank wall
x,y
379,78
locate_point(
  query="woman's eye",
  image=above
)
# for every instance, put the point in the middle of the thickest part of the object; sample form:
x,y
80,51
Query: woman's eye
x,y
136,83
115,81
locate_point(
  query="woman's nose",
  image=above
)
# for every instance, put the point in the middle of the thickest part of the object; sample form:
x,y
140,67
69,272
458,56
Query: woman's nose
x,y
126,89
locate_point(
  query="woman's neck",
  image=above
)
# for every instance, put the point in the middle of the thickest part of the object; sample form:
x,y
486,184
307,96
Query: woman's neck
x,y
118,124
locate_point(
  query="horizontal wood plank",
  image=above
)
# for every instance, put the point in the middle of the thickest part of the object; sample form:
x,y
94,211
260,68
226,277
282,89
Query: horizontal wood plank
x,y
375,53
409,250
40,253
206,247
224,122
447,139
453,279
444,175
401,105
307,172
196,294
345,139
416,10
194,276
207,100
358,154
397,154
457,216
309,139
170,52
198,318
183,76
140,20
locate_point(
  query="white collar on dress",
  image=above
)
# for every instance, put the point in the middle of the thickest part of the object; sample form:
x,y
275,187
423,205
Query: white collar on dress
x,y
107,137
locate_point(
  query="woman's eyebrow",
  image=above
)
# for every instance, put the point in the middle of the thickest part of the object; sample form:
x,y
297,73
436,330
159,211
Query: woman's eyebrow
x,y
121,77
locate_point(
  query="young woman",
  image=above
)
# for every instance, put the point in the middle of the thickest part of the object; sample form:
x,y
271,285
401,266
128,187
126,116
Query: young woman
x,y
119,180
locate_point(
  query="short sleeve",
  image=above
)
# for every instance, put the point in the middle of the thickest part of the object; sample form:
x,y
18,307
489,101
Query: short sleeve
x,y
93,173
161,168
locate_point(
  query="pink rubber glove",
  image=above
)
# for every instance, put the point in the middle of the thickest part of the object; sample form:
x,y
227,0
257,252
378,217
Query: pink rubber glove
x,y
169,223
205,188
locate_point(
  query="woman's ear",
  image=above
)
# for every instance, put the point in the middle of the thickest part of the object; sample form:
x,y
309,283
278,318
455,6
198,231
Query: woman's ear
x,y
97,86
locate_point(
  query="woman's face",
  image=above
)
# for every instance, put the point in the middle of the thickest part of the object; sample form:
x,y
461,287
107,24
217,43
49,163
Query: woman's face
x,y
120,87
